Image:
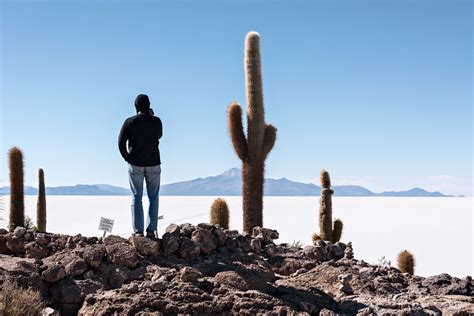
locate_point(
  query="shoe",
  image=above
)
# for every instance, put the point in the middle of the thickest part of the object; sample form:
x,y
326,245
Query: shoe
x,y
151,235
137,234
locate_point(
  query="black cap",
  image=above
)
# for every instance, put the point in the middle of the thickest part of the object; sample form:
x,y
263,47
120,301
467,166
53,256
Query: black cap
x,y
142,103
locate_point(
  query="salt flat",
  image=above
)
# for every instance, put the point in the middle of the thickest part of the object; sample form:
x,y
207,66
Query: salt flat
x,y
437,230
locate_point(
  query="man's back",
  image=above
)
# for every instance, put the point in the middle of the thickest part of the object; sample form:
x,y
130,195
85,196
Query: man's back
x,y
143,132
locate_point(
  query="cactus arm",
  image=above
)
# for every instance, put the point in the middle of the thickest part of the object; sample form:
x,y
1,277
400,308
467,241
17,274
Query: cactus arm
x,y
236,131
269,138
337,230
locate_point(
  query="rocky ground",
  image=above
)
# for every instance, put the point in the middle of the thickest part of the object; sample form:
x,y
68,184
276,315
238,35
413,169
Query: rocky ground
x,y
204,269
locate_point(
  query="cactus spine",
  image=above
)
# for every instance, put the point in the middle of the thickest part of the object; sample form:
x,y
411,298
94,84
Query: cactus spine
x,y
254,148
17,204
220,213
406,262
327,230
41,206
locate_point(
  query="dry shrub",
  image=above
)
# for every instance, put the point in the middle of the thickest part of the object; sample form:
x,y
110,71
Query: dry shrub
x,y
17,301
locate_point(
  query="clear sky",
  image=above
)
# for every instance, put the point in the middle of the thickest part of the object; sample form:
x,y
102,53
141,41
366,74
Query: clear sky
x,y
377,92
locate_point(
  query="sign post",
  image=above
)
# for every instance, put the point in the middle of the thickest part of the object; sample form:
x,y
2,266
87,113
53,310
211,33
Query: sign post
x,y
106,224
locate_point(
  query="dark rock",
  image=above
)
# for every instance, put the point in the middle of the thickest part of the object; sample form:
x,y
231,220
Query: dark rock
x,y
138,273
89,275
131,288
335,251
35,250
315,252
231,244
3,231
3,245
232,279
271,250
42,239
345,287
118,276
93,255
67,291
170,245
206,226
121,253
188,249
348,252
256,245
145,246
187,229
75,266
19,232
286,266
173,230
53,273
16,245
265,234
188,274
220,235
244,243
205,239
444,284
231,233
29,236
113,239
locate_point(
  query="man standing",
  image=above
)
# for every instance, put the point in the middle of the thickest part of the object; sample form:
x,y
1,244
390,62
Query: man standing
x,y
143,131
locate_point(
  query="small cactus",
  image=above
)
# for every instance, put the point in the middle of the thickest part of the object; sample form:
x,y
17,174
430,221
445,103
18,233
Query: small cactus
x,y
41,206
406,262
254,148
220,213
17,204
327,232
337,230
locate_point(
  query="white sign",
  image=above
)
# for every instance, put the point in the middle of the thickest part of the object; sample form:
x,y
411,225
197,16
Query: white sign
x,y
106,224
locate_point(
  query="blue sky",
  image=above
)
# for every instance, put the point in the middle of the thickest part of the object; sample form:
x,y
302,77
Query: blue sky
x,y
377,92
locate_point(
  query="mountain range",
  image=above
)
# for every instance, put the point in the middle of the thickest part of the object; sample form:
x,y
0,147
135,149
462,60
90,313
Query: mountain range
x,y
228,183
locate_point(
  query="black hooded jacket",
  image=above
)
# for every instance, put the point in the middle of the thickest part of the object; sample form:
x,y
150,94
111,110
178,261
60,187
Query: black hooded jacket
x,y
142,131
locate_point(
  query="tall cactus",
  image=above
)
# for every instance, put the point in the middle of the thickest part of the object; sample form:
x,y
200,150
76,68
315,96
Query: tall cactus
x,y
41,206
327,230
17,204
325,207
254,148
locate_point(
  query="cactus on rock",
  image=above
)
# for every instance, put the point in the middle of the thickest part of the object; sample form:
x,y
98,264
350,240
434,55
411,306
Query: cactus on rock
x,y
254,148
17,204
41,205
406,262
220,213
327,230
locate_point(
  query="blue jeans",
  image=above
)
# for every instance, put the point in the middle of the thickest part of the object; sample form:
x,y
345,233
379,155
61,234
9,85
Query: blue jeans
x,y
152,177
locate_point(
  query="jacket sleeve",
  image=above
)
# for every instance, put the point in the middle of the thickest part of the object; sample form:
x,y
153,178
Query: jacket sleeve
x,y
122,141
160,129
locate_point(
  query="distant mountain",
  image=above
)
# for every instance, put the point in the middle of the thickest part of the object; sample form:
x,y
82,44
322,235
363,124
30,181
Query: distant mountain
x,y
228,183
79,189
413,192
